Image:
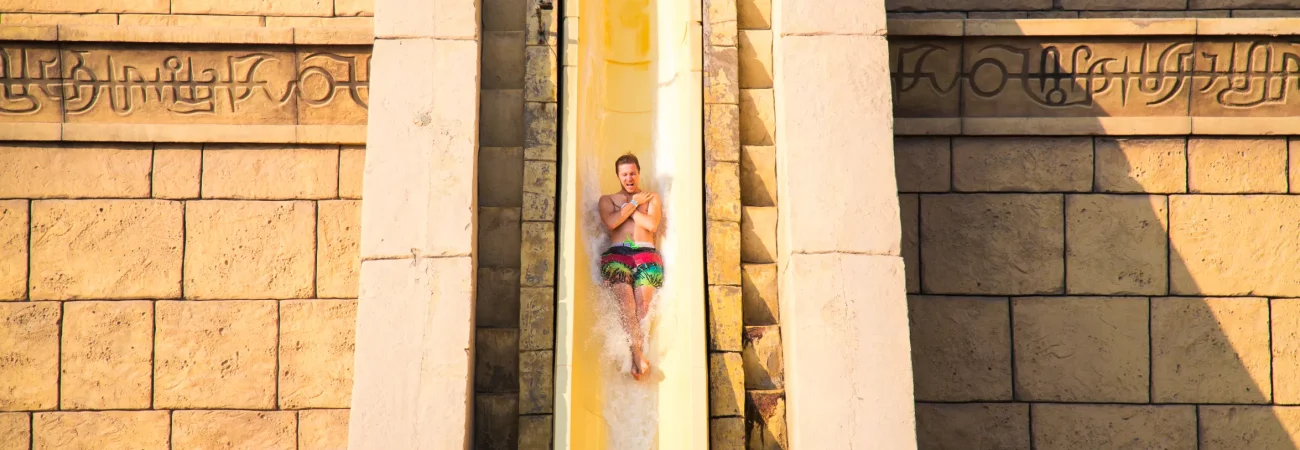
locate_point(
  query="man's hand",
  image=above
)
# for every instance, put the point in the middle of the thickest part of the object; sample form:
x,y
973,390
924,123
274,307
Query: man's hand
x,y
642,198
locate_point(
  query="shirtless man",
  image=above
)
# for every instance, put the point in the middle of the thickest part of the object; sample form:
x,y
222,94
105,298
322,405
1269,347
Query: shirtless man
x,y
631,268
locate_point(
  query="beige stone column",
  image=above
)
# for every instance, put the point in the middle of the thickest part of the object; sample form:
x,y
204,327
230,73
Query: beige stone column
x,y
842,295
415,322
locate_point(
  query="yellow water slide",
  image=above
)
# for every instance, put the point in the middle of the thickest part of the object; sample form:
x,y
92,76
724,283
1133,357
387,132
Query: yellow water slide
x,y
634,87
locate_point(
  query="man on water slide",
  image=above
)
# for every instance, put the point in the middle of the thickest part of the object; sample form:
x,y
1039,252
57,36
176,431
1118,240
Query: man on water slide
x,y
631,268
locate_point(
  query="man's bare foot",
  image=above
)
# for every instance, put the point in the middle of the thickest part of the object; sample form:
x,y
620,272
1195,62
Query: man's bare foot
x,y
640,367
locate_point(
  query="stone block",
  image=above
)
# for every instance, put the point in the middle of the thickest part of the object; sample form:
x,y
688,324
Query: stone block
x,y
106,249
909,208
535,432
176,170
541,121
258,173
765,427
845,314
1284,323
421,164
496,354
1022,164
540,75
1060,427
92,6
318,22
1233,4
107,355
961,348
393,397
496,421
996,244
722,191
338,248
725,318
721,132
536,382
504,15
758,294
1228,245
500,180
270,430
249,249
721,75
218,354
754,14
757,117
726,384
727,433
498,299
1293,159
1225,427
755,58
1210,350
87,171
14,226
144,430
540,179
1003,426
1081,349
837,17
451,21
354,8
536,318
758,176
923,164
15,430
758,234
60,19
1233,165
317,340
1141,165
1124,5
322,429
720,22
538,255
1116,244
29,343
722,248
501,118
352,170
543,31
764,369
320,8
503,60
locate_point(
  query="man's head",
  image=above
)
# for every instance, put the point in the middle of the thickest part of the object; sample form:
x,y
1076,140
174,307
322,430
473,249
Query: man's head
x,y
628,170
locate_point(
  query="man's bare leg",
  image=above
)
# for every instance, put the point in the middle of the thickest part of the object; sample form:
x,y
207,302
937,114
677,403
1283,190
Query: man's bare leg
x,y
628,308
645,294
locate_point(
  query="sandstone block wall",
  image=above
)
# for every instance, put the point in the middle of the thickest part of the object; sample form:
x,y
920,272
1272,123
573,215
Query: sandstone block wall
x,y
177,296
1070,9
189,13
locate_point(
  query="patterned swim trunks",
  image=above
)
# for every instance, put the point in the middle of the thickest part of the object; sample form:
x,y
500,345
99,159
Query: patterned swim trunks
x,y
637,266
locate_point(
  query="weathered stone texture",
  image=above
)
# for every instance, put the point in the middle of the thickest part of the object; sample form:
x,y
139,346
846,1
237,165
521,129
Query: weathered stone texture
x,y
540,73
53,171
722,132
338,248
500,180
187,20
317,341
1210,350
764,369
1141,165
539,189
269,430
496,354
1222,165
503,15
266,173
535,432
755,59
758,234
721,75
998,244
536,382
538,254
1003,426
1069,427
1081,349
60,19
1285,329
725,318
29,346
961,348
503,60
1231,245
1123,4
86,6
720,22
726,384
765,426
923,164
727,433
496,425
536,318
255,8
1022,164
909,209
352,169
501,119
754,14
722,191
539,138
15,430
107,355
176,171
758,176
1248,427
497,303
218,354
249,249
106,249
144,430
322,429
14,226
1116,244
757,117
759,296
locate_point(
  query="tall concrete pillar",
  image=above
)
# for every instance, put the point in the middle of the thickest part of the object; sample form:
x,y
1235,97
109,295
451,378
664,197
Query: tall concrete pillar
x,y
843,297
415,318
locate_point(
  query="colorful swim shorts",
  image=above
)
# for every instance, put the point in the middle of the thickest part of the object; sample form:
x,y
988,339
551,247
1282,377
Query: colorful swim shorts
x,y
638,266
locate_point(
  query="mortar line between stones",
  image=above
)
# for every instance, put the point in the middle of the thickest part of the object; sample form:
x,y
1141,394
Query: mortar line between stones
x,y
297,429
1151,354
277,354
153,164
1272,389
31,430
920,261
1011,335
1288,164
1197,412
185,215
315,254
1030,422
1092,181
153,351
1065,248
31,226
58,400
1187,165
203,152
